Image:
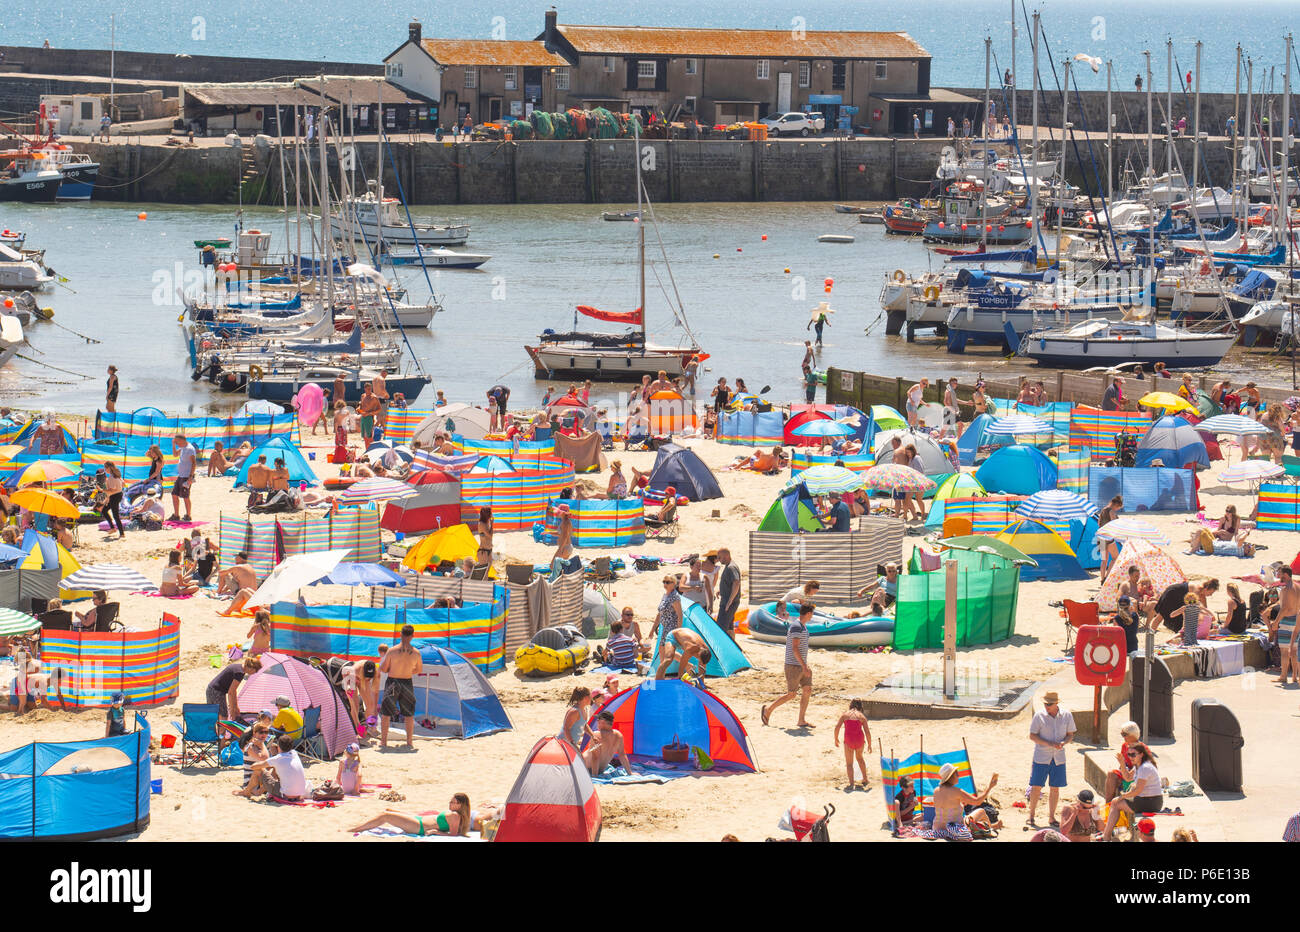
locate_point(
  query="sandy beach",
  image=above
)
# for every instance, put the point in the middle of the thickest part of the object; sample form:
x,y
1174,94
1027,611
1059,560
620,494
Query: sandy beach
x,y
797,765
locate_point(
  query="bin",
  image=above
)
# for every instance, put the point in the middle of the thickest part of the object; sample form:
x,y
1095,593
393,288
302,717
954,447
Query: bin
x,y
1216,746
1160,716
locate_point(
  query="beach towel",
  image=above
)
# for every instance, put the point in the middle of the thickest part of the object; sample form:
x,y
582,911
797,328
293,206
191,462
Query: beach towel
x,y
619,776
388,832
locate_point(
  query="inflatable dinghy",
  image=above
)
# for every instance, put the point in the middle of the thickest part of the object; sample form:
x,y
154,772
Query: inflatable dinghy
x,y
824,630
553,650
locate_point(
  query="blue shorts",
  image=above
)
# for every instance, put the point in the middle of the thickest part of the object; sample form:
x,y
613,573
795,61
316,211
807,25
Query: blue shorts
x,y
1047,775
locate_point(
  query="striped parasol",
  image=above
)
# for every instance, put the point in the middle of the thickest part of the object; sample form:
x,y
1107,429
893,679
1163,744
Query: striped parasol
x,y
376,452
822,428
1018,425
827,480
1056,505
1132,529
1251,471
108,576
891,477
1233,424
378,489
14,622
53,473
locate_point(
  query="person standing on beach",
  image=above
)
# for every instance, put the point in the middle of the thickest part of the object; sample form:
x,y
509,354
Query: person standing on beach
x,y
810,381
110,397
1113,399
728,593
186,460
857,734
798,675
368,408
1288,608
401,664
1051,730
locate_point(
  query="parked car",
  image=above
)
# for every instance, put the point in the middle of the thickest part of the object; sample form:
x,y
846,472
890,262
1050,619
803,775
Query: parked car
x,y
790,124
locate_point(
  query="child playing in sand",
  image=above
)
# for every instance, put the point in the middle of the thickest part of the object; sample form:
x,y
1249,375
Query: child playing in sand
x,y
349,775
857,733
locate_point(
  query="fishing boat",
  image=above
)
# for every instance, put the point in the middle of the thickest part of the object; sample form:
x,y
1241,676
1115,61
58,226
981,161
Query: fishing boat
x,y
375,218
615,357
19,272
906,218
436,257
27,176
79,171
619,215
1102,342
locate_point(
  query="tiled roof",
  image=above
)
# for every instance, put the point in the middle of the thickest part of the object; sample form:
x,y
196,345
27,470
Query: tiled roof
x,y
750,43
491,52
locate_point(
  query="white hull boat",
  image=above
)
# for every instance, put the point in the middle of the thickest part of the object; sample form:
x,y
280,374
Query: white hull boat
x,y
1109,343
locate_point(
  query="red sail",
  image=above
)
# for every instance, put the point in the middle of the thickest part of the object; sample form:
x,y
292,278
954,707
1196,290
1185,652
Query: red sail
x,y
617,317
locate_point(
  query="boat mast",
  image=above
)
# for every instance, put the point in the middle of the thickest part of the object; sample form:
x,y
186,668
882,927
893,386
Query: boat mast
x,y
1151,168
1060,183
1196,137
325,205
1110,145
640,223
1169,116
1284,205
1236,132
1033,188
984,188
1013,70
112,63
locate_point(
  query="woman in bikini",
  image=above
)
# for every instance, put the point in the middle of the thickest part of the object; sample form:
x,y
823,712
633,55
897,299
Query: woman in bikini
x,y
950,800
617,487
484,554
455,820
155,464
1229,524
260,633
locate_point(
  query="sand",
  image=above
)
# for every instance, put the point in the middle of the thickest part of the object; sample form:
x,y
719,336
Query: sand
x,y
797,765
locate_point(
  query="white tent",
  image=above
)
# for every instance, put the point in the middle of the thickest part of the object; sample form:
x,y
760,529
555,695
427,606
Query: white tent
x,y
932,458
470,422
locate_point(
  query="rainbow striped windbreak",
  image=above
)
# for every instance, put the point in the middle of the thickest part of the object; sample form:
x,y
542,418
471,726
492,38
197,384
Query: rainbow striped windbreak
x,y
923,770
1279,506
599,522
269,539
517,499
526,452
1097,429
1072,470
476,631
402,423
88,668
751,428
801,459
149,425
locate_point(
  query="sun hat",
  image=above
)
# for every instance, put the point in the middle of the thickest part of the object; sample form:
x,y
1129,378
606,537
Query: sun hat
x,y
1051,698
353,748
946,771
282,702
117,697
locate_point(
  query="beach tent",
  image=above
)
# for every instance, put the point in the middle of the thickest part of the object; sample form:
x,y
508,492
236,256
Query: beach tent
x,y
553,798
435,504
452,692
1017,470
975,436
307,688
1158,566
659,712
1054,557
958,485
727,657
792,511
1083,541
467,421
279,448
670,413
932,458
453,543
46,553
1174,442
683,470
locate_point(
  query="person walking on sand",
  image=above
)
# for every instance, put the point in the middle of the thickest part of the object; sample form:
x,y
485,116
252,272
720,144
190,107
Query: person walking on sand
x,y
1051,730
401,663
798,675
110,396
857,734
1288,608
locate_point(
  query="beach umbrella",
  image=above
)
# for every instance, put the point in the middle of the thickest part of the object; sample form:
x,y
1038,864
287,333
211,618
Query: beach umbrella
x,y
294,572
1251,471
378,450
827,480
824,427
378,489
1056,505
15,622
982,543
1167,402
259,406
108,576
10,450
1127,528
1018,424
493,464
886,418
1233,424
51,472
8,554
45,503
891,477
361,574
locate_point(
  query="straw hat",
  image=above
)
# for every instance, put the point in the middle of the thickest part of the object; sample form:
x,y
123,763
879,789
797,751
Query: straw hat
x,y
945,772
1051,698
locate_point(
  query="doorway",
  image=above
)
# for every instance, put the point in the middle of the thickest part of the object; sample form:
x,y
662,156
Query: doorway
x,y
783,92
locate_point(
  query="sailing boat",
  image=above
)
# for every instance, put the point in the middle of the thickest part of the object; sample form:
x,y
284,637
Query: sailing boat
x,y
613,357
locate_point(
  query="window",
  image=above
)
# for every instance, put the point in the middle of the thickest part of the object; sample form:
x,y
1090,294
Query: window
x,y
838,70
609,63
397,70
805,74
646,69
471,77
882,70
87,110
764,69
690,66
561,79
512,79
690,104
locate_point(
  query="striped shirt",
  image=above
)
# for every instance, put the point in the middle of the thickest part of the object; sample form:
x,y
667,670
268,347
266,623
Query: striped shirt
x,y
622,650
796,644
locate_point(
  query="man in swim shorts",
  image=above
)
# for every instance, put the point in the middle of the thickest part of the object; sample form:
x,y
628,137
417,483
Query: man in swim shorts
x,y
1286,624
368,407
607,747
684,645
401,663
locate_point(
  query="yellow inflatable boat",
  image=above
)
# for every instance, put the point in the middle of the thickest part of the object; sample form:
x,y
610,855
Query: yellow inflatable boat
x,y
560,649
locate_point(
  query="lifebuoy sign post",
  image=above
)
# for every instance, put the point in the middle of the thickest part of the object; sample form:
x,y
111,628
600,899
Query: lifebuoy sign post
x,y
1099,660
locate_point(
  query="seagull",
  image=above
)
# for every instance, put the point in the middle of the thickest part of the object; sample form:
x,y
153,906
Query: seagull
x,y
1092,60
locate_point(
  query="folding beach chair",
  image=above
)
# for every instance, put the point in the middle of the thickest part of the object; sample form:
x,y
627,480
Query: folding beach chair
x,y
666,526
200,741
601,576
520,574
312,742
1077,614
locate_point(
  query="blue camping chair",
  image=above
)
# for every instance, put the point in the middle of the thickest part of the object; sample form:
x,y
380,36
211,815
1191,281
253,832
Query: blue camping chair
x,y
200,742
312,742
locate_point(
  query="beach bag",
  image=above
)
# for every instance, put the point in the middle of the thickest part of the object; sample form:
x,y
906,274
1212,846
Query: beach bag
x,y
645,564
328,790
675,753
232,756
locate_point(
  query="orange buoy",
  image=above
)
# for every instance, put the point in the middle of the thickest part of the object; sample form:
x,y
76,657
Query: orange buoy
x,y
142,216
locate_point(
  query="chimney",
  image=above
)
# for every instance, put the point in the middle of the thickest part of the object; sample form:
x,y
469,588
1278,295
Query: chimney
x,y
414,31
550,26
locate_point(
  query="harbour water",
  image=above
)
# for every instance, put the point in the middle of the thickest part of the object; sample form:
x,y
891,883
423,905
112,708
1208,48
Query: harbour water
x,y
747,312
950,30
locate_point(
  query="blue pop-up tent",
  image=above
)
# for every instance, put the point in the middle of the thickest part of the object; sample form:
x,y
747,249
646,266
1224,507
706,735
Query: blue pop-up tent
x,y
1173,441
681,469
1017,470
451,691
279,448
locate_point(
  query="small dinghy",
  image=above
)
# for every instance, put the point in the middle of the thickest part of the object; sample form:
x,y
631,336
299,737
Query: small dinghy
x,y
824,630
559,649
835,238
